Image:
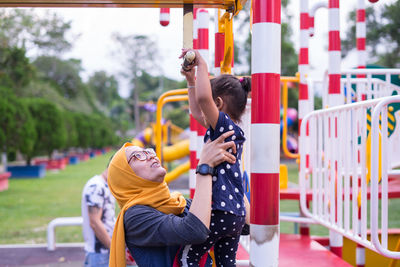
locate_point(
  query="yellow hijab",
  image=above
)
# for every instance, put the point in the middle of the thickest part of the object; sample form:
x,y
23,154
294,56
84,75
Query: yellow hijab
x,y
129,190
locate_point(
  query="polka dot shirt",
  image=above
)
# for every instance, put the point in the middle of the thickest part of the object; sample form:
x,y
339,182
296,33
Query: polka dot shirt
x,y
227,182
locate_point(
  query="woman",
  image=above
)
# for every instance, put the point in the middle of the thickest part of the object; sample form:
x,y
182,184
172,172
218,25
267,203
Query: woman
x,y
153,223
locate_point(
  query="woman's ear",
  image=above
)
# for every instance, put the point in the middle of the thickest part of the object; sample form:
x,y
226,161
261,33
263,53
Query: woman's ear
x,y
219,102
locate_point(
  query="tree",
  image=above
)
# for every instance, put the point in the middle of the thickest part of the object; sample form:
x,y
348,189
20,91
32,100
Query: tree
x,y
49,125
64,75
71,130
178,116
82,122
15,69
139,53
289,62
22,28
104,87
16,125
383,36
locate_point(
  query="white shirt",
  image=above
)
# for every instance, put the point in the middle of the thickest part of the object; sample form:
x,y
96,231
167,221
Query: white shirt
x,y
97,194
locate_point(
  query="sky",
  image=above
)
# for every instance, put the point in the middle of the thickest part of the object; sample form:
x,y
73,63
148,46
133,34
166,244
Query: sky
x,y
96,25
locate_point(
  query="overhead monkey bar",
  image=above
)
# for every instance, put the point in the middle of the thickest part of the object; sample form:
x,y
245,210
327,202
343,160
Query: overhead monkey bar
x,y
224,4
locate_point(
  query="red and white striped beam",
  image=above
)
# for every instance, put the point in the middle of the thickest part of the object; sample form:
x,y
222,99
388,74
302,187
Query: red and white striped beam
x,y
304,103
195,33
334,51
202,32
361,60
193,158
164,16
334,96
197,40
361,30
219,40
313,10
193,126
265,137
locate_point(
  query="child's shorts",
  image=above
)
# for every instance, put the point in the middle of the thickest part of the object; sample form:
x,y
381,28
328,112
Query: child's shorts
x,y
225,233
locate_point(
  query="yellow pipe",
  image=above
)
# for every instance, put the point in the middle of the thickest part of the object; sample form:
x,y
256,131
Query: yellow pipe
x,y
226,64
178,93
393,262
286,151
175,173
159,141
176,151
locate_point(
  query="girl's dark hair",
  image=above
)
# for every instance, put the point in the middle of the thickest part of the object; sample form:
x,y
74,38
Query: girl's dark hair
x,y
233,91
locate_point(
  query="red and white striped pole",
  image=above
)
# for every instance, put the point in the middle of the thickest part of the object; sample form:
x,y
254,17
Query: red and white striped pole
x,y
361,59
361,39
334,50
334,96
164,16
265,121
313,10
193,158
219,41
304,103
193,126
202,22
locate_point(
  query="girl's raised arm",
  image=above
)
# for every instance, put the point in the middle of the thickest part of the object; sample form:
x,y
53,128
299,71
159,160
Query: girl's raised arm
x,y
204,96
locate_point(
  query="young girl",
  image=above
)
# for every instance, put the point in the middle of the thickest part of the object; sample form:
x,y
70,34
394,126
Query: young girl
x,y
218,105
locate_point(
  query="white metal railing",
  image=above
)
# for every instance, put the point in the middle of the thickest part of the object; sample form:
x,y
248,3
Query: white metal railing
x,y
379,152
339,169
363,84
358,89
57,222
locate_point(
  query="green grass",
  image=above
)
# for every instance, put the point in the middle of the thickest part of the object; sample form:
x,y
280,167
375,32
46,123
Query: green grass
x,y
30,204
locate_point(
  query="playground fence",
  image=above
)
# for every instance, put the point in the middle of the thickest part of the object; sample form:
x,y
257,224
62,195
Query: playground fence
x,y
340,170
364,84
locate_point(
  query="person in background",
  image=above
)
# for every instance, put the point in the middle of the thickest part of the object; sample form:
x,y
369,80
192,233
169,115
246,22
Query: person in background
x,y
98,213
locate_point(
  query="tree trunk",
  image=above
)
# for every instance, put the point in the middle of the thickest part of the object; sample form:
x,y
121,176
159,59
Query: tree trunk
x,y
4,160
136,108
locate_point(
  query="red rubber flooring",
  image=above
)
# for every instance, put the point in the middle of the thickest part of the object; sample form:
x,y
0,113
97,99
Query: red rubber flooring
x,y
295,250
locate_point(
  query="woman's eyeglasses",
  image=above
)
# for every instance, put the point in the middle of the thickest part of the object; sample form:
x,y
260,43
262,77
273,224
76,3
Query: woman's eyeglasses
x,y
143,155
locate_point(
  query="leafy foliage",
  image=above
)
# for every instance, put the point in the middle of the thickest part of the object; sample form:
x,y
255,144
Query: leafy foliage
x,y
22,28
138,53
62,74
49,125
104,87
383,35
178,116
16,125
289,62
15,68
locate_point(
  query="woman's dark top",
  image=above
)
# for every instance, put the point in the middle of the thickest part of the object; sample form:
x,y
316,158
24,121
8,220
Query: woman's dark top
x,y
153,237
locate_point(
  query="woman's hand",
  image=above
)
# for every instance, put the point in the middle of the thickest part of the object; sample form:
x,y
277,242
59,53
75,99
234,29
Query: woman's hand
x,y
215,152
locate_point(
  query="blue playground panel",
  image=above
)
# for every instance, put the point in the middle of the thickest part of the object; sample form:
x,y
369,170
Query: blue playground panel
x,y
73,160
33,171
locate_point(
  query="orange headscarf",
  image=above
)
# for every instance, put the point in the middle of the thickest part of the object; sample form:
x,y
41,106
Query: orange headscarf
x,y
129,190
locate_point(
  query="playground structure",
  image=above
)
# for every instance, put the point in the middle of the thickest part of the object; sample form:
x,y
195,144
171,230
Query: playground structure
x,y
349,151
